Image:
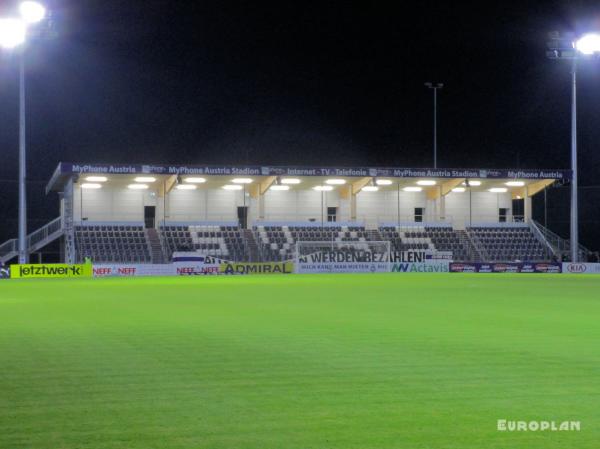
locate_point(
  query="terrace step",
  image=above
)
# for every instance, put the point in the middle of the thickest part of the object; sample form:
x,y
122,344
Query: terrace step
x,y
156,251
251,245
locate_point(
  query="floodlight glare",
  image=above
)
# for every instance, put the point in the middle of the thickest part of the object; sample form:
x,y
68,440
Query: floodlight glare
x,y
458,189
145,179
241,180
12,33
137,186
195,180
232,187
426,182
412,189
383,182
335,182
91,186
96,178
186,187
370,189
515,183
32,12
498,190
290,181
472,183
278,187
323,188
588,44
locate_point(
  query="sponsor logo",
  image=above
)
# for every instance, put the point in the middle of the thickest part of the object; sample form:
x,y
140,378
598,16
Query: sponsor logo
x,y
50,271
505,425
576,268
421,267
257,268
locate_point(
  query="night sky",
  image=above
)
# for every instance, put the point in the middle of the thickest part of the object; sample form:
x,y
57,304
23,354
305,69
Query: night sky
x,y
299,83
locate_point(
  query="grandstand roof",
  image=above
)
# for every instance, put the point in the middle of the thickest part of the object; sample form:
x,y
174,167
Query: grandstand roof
x,y
219,175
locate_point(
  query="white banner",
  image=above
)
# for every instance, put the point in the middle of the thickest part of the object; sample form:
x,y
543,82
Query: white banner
x,y
343,267
581,268
133,270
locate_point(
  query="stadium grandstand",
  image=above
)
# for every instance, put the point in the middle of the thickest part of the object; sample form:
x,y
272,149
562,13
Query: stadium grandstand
x,y
145,213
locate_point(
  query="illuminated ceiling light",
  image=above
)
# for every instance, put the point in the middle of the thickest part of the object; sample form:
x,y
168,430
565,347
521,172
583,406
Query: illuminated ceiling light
x,y
370,189
91,186
186,187
96,178
323,188
472,183
383,182
195,180
515,183
458,189
137,186
335,182
32,12
241,181
498,190
278,187
588,44
412,189
232,187
426,182
145,179
12,33
290,181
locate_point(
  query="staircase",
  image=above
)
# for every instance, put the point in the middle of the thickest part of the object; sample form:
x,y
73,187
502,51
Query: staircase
x,y
374,235
476,253
35,241
156,251
251,245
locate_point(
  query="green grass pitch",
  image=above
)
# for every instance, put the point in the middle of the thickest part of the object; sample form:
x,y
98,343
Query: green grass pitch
x,y
308,362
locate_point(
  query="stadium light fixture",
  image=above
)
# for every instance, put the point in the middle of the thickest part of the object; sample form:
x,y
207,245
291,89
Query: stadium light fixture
x,y
91,186
412,189
370,189
279,187
143,179
232,187
383,182
12,33
335,182
137,186
472,183
291,181
323,188
96,178
426,182
515,183
242,181
498,190
459,189
195,180
588,44
32,12
186,187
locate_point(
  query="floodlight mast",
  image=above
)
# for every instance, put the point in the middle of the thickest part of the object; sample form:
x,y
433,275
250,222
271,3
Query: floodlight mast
x,y
570,48
13,33
434,87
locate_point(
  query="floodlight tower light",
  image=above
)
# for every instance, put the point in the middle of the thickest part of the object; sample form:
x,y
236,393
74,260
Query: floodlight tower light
x,y
434,87
13,34
571,48
32,12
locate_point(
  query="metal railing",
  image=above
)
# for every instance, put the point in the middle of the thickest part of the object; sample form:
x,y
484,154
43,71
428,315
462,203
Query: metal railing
x,y
41,235
8,250
561,247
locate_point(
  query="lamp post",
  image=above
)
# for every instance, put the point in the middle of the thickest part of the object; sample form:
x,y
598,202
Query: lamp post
x,y
13,34
434,87
571,48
